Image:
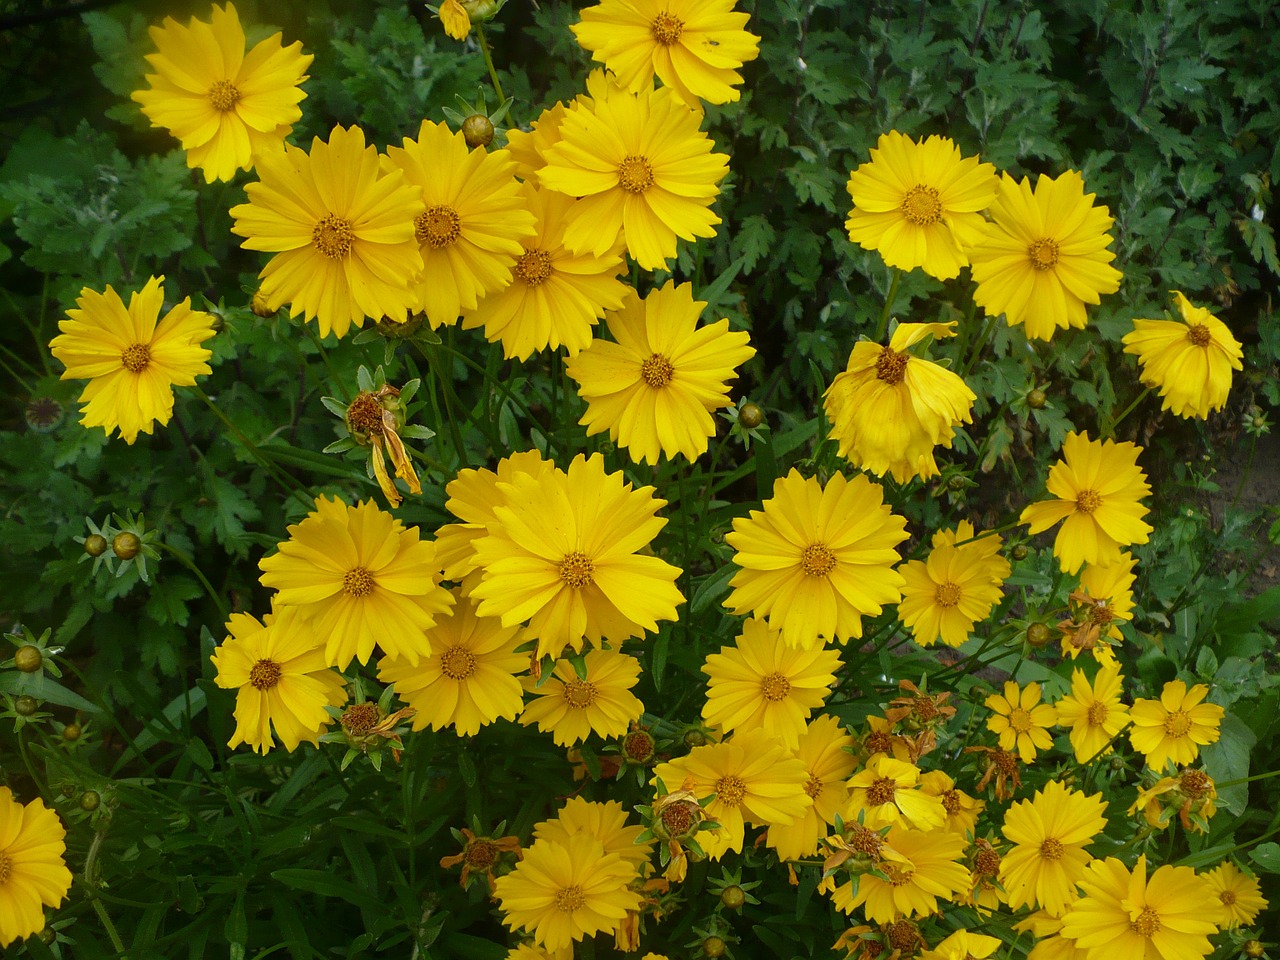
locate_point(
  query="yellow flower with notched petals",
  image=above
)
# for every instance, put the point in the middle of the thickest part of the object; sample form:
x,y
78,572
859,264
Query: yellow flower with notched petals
x,y
33,866
571,707
1021,720
1176,726
1049,833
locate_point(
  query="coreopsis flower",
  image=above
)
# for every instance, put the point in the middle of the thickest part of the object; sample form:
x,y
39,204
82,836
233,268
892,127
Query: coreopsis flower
x,y
33,866
890,408
555,297
277,666
528,148
761,683
824,749
919,715
1105,598
225,106
1093,711
883,736
362,579
374,419
925,868
888,792
985,893
961,809
1239,894
918,204
341,229
454,18
571,707
480,854
816,560
1191,361
606,822
1020,720
1098,484
561,553
470,233
1192,795
1176,726
675,818
1049,833
954,587
963,945
132,358
695,47
655,387
561,892
1044,255
1002,768
640,164
469,681
1121,913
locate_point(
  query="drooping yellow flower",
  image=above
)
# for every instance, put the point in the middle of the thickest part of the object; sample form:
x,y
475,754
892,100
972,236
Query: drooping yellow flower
x,y
454,18
1239,894
695,47
374,419
925,868
918,203
342,232
890,408
954,588
654,389
224,105
1176,726
1049,833
362,579
132,361
33,866
640,164
888,792
824,749
278,667
1094,712
1098,484
816,560
571,708
606,822
1044,255
1020,720
1191,361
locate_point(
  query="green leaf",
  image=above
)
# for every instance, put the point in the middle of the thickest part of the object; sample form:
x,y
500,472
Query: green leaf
x,y
715,290
753,241
1266,856
167,602
1228,759
325,884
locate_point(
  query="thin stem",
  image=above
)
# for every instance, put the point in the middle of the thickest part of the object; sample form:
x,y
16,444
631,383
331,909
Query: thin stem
x,y
1110,429
883,326
183,558
488,62
988,327
90,862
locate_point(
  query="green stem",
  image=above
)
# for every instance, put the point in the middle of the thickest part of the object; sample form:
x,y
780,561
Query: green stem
x,y
90,862
286,481
1260,776
883,326
988,327
488,62
183,558
1110,429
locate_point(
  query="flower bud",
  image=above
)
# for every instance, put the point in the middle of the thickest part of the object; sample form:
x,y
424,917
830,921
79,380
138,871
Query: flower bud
x,y
1039,634
1020,552
733,897
1036,399
126,545
1253,948
71,732
90,800
477,130
261,306
26,706
28,659
95,545
713,947
750,415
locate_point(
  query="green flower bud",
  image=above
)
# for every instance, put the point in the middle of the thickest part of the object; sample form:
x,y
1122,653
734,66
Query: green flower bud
x,y
28,659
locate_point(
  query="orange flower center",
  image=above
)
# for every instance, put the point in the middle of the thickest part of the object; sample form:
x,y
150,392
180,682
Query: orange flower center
x,y
881,791
986,863
635,175
878,741
364,415
1043,254
438,227
891,367
638,746
666,28
731,789
264,674
576,569
1227,897
1100,613
657,371
579,694
1020,720
950,802
817,560
921,206
678,819
1052,850
864,840
361,717
333,236
224,96
923,708
136,356
1177,724
947,594
480,854
533,267
897,875
457,663
1198,334
1146,923
357,582
903,935
1088,501
775,687
570,899
813,786
1098,714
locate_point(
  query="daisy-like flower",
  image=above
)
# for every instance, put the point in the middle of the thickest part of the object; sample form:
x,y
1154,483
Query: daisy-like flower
x,y
362,579
954,588
1192,795
1239,893
963,945
1098,484
555,297
695,47
1094,712
1169,915
469,680
342,232
561,892
824,749
890,408
1104,599
640,164
1176,726
761,683
961,809
918,203
561,553
1044,255
571,708
925,868
816,560
888,791
1049,833
606,822
655,388
528,148
224,105
33,866
278,667
1021,721
132,361
470,233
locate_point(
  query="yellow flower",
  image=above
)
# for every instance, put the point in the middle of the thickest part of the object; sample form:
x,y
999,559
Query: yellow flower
x,y
640,164
372,421
1192,795
961,809
954,588
963,945
1176,726
571,707
33,866
528,148
655,388
1098,484
132,361
1239,893
1094,712
1104,599
1049,833
361,578
695,47
918,203
1044,255
924,868
816,560
1020,720
888,792
278,668
606,822
824,749
890,408
454,18
1191,362
341,231
224,105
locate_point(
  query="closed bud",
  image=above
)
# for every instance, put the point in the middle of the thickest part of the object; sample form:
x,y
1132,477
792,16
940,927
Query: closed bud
x,y
477,130
733,897
126,545
1039,634
751,416
1020,551
28,659
26,706
90,800
1253,948
71,732
95,545
1036,399
713,947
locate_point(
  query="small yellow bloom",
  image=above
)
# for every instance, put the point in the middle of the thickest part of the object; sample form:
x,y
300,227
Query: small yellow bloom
x,y
1049,834
33,866
1021,720
571,708
453,15
888,792
1239,893
1176,726
1094,712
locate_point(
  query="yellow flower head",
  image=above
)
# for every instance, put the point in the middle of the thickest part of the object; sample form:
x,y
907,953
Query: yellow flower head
x,y
923,868
888,792
1176,726
1239,893
224,105
1020,720
606,822
454,18
961,809
1191,361
824,749
571,707
1192,795
33,866
1094,712
1049,833
528,148
954,588
918,203
1105,598
132,361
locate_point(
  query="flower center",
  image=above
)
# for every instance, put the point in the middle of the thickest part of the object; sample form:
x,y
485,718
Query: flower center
x,y
438,227
731,789
987,863
775,687
533,267
921,206
1006,762
333,236
223,95
1098,714
457,663
264,674
576,569
360,717
666,28
1227,897
657,371
1146,923
136,356
364,415
1088,501
878,741
638,746
579,694
635,175
1100,613
358,582
817,560
813,786
864,840
1043,254
923,708
1177,724
1198,334
897,875
950,802
1052,850
677,819
891,367
947,594
1196,783
881,791
5,868
903,935
570,899
481,854
1019,719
